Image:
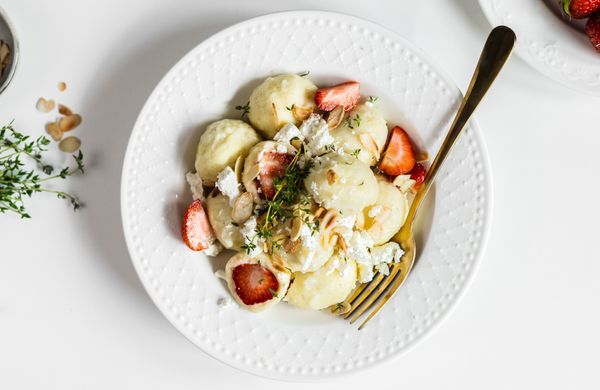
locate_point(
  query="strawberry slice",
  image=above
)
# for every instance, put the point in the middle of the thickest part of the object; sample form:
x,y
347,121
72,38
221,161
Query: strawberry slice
x,y
272,165
418,174
254,283
196,230
346,94
399,157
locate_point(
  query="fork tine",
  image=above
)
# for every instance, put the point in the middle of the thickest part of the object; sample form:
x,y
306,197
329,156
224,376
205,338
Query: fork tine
x,y
380,289
372,285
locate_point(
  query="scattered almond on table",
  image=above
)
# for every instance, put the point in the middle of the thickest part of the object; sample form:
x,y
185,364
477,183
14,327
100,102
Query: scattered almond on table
x,y
4,56
68,121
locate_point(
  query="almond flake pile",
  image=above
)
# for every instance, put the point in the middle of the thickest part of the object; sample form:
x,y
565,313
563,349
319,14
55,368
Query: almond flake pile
x,y
66,122
4,56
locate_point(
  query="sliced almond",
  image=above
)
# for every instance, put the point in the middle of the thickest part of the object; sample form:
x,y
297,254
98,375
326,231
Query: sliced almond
x,y
64,110
266,248
331,176
422,157
340,229
242,208
54,131
238,167
301,113
254,171
4,55
296,143
296,228
342,242
369,143
44,105
291,246
328,220
319,211
69,144
62,86
335,117
69,122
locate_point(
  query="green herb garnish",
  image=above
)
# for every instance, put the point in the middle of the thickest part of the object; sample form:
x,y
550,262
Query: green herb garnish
x,y
355,153
18,181
372,99
245,109
305,73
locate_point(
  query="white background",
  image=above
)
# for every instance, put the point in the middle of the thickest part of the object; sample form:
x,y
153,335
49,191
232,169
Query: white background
x,y
73,314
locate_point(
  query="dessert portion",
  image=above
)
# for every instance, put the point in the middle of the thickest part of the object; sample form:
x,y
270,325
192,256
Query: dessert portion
x,y
309,193
581,13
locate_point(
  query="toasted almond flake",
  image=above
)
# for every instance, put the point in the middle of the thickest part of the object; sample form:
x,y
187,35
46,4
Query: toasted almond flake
x,y
301,113
277,262
341,308
242,208
422,157
369,143
64,110
342,242
340,229
319,211
275,114
54,131
331,176
266,248
328,220
69,122
296,228
335,117
291,246
296,143
62,86
238,168
254,171
403,182
69,144
44,105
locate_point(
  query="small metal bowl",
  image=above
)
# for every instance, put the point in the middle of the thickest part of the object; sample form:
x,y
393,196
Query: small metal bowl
x,y
9,36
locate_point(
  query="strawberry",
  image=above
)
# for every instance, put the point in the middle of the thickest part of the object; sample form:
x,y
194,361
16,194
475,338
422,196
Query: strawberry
x,y
346,94
418,174
580,9
592,29
254,283
272,165
399,157
196,231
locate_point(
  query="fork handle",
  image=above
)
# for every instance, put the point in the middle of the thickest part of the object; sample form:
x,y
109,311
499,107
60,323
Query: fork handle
x,y
494,55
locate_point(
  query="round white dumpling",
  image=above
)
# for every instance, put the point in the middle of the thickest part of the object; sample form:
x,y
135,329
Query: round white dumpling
x,y
327,286
256,283
342,182
219,216
384,219
272,101
363,130
220,145
311,251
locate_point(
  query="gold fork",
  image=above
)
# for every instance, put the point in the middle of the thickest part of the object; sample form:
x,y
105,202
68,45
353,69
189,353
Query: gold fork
x,y
494,55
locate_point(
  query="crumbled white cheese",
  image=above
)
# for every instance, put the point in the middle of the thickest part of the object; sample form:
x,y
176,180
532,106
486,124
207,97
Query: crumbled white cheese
x,y
309,241
195,183
254,243
224,302
214,249
228,185
374,211
287,133
315,132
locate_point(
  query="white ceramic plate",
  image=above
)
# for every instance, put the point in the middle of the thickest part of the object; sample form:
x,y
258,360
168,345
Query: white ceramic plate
x,y
288,343
547,43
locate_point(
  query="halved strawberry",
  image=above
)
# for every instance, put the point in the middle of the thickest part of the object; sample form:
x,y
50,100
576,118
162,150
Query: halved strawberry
x,y
592,29
580,9
196,230
399,157
254,283
418,174
272,165
345,94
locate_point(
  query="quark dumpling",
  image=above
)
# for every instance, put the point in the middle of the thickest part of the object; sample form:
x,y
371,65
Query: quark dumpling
x,y
342,182
220,145
219,216
363,129
384,219
260,285
313,250
271,102
327,286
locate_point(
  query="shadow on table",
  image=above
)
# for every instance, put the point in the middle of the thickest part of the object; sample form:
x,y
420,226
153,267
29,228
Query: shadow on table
x,y
110,111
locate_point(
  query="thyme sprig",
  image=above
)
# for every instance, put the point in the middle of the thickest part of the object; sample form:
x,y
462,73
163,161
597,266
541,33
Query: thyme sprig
x,y
17,181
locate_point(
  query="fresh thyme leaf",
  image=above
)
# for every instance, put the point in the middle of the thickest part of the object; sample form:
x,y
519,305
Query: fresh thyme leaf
x,y
18,181
273,292
249,246
355,153
352,122
290,108
372,99
245,109
305,73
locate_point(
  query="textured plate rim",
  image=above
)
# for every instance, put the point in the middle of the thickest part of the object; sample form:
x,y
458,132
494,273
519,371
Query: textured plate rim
x,y
484,229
